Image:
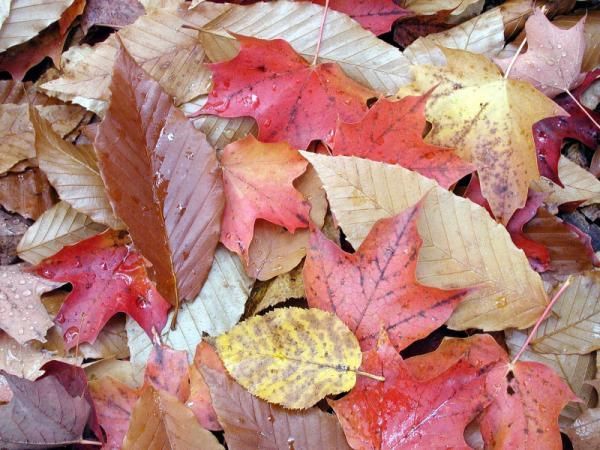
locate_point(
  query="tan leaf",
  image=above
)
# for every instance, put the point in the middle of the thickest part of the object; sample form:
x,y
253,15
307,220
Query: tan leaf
x,y
579,185
4,10
28,193
359,53
281,288
74,173
458,7
516,12
159,420
217,308
584,432
59,226
158,41
123,371
274,250
482,34
572,328
574,369
473,251
27,18
110,343
12,229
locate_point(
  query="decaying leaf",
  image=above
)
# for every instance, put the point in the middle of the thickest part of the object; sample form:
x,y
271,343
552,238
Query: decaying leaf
x,y
291,356
167,371
110,13
488,120
159,420
173,206
28,192
253,423
217,308
59,226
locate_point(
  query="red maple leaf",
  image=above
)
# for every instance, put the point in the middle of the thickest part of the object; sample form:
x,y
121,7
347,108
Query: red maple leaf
x,y
392,132
258,183
290,99
376,286
404,412
107,278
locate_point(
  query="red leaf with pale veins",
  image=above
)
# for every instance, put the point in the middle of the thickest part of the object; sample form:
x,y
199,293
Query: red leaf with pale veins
x,y
258,179
410,28
376,286
167,370
162,178
107,278
527,400
392,132
290,99
376,16
199,400
403,412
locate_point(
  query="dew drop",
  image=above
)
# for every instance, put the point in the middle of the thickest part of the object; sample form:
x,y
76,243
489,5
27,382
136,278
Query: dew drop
x,y
26,293
501,302
21,331
60,318
71,334
142,302
228,133
563,54
558,45
270,418
3,296
267,123
170,137
21,282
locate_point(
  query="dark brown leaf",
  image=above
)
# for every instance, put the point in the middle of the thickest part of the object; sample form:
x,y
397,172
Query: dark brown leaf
x,y
29,193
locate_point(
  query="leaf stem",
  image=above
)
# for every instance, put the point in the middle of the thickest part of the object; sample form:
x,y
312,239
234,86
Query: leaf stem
x,y
370,375
583,108
512,61
541,319
314,63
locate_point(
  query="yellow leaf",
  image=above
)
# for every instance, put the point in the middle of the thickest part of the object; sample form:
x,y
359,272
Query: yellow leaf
x,y
160,421
462,246
277,290
291,356
488,120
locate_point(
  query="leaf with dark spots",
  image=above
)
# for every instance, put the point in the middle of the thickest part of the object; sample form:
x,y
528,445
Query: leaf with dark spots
x,y
527,398
107,277
163,180
41,414
291,100
258,179
404,412
392,132
409,28
376,286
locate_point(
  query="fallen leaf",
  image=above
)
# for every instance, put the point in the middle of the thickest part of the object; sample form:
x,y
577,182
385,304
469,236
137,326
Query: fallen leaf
x,y
57,227
545,64
110,13
375,288
253,423
102,264
173,209
217,308
584,432
591,31
72,170
23,93
200,401
458,7
291,356
277,290
4,10
516,12
167,371
502,298
159,420
28,193
23,316
374,15
41,414
110,343
413,26
527,398
294,111
12,229
362,56
258,184
473,110
120,370
404,412
381,136
27,18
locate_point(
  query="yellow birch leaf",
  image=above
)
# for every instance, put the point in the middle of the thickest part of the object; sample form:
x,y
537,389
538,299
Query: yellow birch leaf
x,y
292,356
488,120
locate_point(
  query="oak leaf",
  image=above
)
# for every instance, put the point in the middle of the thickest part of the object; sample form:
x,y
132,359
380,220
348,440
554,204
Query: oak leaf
x,y
552,62
107,278
291,100
527,398
253,423
404,412
163,181
472,109
375,288
291,356
392,132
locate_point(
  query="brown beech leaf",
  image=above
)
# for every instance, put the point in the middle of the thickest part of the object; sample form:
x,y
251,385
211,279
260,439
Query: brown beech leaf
x,y
162,179
159,420
110,343
376,287
29,193
253,423
41,414
12,229
22,315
